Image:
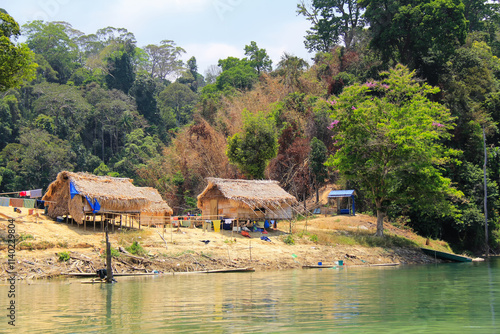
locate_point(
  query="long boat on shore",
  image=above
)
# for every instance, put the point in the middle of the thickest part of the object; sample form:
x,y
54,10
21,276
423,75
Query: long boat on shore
x,y
445,255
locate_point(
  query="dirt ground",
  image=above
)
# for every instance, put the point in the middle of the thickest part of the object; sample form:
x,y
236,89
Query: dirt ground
x,y
40,242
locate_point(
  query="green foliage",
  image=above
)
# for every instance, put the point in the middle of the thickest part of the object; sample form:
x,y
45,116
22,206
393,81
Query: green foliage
x,y
317,160
252,149
258,58
136,249
314,238
52,41
63,256
176,105
333,22
114,253
389,139
289,240
422,35
16,61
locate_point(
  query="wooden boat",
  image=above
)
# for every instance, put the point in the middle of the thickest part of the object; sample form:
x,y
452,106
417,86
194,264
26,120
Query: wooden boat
x,y
228,270
114,274
322,266
445,255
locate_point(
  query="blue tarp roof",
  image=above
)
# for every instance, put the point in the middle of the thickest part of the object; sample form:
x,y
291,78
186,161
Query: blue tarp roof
x,y
340,193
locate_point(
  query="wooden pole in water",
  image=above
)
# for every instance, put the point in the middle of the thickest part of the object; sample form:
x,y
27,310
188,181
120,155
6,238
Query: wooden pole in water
x,y
485,198
109,269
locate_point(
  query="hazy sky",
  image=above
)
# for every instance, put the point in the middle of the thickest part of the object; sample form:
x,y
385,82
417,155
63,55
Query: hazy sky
x,y
207,29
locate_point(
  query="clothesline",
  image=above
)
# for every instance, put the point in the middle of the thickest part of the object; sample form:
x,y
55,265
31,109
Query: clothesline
x,y
35,193
22,203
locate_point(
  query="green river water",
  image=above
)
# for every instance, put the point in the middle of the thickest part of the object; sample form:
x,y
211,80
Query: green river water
x,y
444,298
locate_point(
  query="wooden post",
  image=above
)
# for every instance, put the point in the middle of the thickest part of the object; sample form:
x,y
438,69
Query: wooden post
x,y
94,221
121,222
109,269
114,221
85,223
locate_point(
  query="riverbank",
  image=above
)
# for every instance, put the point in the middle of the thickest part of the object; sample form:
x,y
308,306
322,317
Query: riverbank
x,y
47,249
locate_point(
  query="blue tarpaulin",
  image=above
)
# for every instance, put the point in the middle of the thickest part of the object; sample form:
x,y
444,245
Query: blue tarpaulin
x,y
95,205
72,190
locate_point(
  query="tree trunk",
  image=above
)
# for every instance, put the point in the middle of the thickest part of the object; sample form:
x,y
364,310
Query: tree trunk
x,y
380,219
317,194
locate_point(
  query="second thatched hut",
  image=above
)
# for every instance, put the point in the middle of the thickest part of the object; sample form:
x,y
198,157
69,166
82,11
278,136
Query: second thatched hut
x,y
245,199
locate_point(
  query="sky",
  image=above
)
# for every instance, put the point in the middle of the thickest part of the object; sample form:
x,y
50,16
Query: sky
x,y
207,29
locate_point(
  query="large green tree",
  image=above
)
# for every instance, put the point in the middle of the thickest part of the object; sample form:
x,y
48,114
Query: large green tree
x,y
419,34
16,61
252,148
333,22
258,58
388,133
52,41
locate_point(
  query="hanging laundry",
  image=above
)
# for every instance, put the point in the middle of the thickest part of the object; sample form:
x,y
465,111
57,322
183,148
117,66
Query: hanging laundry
x,y
29,203
17,202
23,194
4,201
36,193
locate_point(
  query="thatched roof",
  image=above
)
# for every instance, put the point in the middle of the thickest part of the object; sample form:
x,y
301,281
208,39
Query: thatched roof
x,y
254,193
114,194
158,205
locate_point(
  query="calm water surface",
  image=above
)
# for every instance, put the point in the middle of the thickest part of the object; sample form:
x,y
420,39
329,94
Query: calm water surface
x,y
446,298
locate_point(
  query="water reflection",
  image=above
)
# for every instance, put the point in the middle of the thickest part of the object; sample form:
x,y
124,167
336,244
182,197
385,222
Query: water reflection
x,y
415,298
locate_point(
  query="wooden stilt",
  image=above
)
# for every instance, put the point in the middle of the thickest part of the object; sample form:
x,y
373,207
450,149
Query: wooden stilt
x,y
94,221
109,269
114,221
121,222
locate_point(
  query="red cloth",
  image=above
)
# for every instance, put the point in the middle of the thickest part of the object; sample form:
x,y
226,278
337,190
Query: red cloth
x,y
22,193
245,234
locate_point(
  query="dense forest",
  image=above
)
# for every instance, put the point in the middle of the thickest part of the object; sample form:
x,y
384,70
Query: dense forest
x,y
395,103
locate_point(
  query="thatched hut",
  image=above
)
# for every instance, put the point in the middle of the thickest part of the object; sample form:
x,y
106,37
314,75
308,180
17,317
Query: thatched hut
x,y
79,194
159,212
245,199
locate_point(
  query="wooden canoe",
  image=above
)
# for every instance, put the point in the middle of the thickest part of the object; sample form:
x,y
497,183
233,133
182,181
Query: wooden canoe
x,y
445,255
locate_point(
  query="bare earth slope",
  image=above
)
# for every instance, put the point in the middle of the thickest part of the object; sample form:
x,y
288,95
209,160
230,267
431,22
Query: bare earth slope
x,y
40,240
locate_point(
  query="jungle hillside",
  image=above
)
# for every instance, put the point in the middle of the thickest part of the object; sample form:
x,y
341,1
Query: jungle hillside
x,y
399,101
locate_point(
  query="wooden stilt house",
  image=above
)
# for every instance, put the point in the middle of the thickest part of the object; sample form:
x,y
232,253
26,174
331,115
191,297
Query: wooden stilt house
x,y
245,199
82,194
159,212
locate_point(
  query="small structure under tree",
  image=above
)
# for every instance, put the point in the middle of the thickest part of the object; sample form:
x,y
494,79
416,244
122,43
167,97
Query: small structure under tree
x,y
338,195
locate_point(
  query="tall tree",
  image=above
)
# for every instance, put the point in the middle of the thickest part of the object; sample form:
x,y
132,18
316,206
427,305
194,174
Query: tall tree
x,y
258,58
164,59
317,159
252,149
421,35
333,22
390,132
52,40
290,68
176,105
16,61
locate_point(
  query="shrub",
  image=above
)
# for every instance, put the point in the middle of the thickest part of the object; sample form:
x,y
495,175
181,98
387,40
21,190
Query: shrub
x,y
63,256
289,240
136,249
